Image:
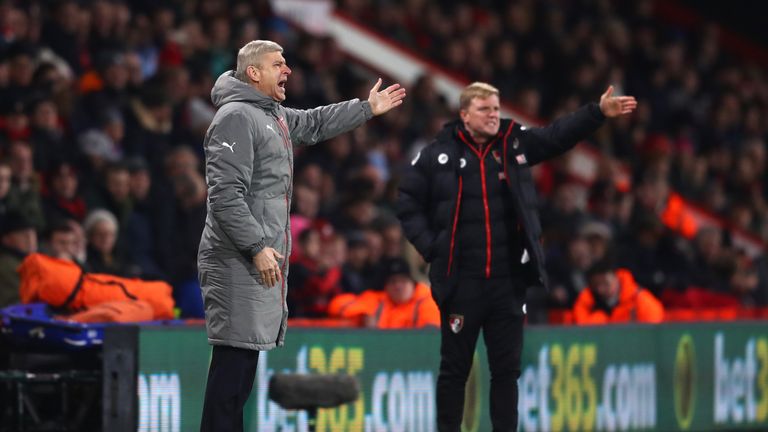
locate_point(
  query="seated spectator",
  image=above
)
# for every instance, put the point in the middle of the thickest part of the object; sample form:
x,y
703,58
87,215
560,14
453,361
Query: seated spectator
x,y
315,275
403,303
24,195
568,274
101,230
63,200
356,272
18,238
613,296
62,241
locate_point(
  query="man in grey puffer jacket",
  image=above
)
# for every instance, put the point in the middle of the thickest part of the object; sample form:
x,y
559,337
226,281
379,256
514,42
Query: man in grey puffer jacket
x,y
244,249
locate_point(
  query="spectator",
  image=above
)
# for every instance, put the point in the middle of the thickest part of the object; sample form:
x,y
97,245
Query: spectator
x,y
598,236
99,149
315,275
24,195
46,134
613,296
402,304
150,224
101,231
62,242
356,273
711,260
568,274
18,238
63,200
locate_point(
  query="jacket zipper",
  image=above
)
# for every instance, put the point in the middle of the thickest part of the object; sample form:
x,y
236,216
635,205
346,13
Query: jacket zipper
x,y
455,224
486,210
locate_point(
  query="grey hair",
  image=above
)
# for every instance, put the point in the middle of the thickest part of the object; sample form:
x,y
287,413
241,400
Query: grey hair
x,y
97,216
250,55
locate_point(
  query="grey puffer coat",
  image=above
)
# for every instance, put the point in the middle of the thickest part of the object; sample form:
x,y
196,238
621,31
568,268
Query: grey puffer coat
x,y
249,172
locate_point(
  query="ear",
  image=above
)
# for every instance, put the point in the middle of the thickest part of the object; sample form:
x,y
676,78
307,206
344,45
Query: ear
x,y
253,73
463,114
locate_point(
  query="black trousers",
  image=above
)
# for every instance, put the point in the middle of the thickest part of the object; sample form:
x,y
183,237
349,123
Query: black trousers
x,y
496,307
230,379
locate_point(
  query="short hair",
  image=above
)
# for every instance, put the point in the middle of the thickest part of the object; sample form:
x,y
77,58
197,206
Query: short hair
x,y
476,90
250,55
97,216
605,265
60,226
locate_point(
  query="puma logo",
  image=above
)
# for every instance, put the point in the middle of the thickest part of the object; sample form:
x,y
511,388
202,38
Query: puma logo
x,y
229,146
269,126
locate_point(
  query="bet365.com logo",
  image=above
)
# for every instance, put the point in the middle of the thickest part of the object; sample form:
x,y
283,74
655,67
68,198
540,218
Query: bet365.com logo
x,y
685,382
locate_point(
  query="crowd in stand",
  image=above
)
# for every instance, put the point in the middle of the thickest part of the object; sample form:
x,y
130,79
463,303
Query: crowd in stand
x,y
104,105
699,131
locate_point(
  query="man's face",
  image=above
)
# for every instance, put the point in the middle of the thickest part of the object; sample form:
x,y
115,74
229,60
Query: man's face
x,y
399,288
481,118
119,184
605,286
64,244
272,74
103,236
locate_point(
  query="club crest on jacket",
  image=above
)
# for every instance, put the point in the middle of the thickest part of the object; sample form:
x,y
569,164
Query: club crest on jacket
x,y
456,322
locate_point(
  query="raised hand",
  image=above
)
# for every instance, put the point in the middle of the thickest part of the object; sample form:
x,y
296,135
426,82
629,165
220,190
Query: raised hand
x,y
613,106
385,100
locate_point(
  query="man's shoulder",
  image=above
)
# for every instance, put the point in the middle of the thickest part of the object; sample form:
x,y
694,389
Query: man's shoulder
x,y
244,109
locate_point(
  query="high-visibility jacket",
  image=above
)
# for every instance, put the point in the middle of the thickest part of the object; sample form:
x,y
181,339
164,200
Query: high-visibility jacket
x,y
635,304
420,311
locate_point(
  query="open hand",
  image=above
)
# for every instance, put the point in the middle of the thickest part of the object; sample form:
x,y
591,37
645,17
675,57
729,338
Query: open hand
x,y
385,100
613,106
268,267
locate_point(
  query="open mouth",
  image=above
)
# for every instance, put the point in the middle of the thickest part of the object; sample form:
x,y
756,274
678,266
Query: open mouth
x,y
281,83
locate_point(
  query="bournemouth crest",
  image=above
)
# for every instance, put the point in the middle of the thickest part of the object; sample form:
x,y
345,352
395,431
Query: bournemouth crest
x,y
456,322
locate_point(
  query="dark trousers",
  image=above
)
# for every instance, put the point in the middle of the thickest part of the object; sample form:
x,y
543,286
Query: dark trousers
x,y
495,306
230,379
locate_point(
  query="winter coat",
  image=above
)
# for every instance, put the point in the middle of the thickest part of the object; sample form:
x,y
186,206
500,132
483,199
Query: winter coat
x,y
249,173
430,193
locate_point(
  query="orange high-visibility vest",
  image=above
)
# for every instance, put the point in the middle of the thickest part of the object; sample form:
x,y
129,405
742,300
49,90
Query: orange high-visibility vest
x,y
420,311
636,304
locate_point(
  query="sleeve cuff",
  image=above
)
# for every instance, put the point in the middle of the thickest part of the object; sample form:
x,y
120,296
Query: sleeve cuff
x,y
367,110
597,113
256,248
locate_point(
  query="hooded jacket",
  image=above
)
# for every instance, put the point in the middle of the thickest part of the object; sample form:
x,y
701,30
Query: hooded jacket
x,y
249,173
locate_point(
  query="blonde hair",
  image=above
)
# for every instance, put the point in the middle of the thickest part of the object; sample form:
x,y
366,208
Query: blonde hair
x,y
476,90
250,55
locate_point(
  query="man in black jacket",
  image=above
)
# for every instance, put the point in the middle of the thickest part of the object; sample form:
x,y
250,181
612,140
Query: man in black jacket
x,y
468,204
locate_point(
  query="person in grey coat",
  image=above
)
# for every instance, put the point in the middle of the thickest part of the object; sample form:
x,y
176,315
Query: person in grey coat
x,y
244,249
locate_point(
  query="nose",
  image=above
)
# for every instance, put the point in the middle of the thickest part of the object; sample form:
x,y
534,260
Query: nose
x,y
286,70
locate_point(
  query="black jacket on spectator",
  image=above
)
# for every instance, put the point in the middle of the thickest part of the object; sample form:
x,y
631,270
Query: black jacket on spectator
x,y
429,196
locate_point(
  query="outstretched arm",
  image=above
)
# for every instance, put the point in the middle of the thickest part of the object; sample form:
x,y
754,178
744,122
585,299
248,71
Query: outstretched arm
x,y
561,135
314,125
